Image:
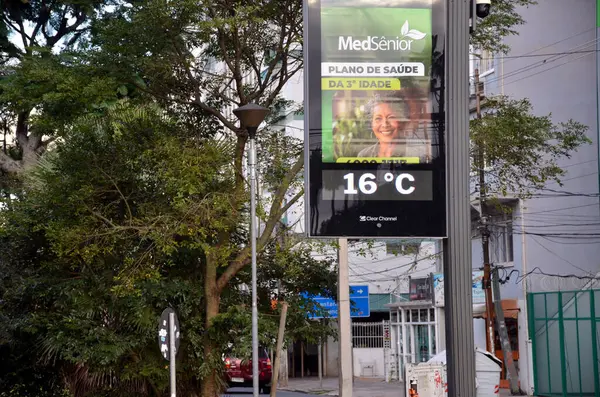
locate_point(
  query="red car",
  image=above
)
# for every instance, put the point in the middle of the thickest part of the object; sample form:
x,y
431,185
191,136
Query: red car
x,y
238,373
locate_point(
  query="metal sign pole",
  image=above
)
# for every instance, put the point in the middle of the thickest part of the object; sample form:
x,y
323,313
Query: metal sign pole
x,y
460,347
172,352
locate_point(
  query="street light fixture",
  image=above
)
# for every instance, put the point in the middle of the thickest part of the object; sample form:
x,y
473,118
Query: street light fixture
x,y
251,116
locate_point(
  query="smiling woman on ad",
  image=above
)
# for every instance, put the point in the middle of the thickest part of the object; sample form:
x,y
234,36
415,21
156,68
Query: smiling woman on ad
x,y
389,119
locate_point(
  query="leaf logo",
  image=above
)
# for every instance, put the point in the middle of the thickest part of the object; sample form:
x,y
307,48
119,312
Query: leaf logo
x,y
412,33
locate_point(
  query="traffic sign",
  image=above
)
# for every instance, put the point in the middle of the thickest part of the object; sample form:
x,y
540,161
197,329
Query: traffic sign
x,y
359,302
163,333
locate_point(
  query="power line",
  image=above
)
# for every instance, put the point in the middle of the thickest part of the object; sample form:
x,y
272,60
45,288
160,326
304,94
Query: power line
x,y
567,192
545,70
537,270
561,224
566,235
543,55
578,242
538,64
398,277
556,42
583,162
560,209
558,256
429,257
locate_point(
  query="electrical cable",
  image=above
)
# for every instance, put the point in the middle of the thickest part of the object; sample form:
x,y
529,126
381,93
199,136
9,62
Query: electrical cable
x,y
561,209
541,63
552,44
545,70
399,277
558,256
551,217
550,54
429,257
537,270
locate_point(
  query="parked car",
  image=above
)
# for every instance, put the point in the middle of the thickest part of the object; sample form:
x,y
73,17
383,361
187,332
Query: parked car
x,y
238,372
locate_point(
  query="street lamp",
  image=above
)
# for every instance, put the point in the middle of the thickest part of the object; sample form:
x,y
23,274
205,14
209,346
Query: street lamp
x,y
251,116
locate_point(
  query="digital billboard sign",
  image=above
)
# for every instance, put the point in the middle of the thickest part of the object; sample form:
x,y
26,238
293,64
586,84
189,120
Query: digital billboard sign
x,y
374,120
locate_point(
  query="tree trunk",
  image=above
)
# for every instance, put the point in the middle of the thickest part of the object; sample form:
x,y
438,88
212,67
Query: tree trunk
x,y
209,383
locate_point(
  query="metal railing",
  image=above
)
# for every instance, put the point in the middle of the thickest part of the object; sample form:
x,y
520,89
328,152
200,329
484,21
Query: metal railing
x,y
368,335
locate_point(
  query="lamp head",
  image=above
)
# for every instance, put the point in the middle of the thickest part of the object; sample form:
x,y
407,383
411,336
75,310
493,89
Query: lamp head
x,y
251,115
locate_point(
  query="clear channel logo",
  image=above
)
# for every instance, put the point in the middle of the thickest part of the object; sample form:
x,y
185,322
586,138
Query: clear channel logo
x,y
367,218
381,43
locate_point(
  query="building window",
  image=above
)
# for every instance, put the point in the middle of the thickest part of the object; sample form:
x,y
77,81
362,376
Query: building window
x,y
486,62
501,239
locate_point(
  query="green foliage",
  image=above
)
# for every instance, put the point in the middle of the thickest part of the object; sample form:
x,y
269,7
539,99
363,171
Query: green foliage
x,y
57,89
503,21
107,232
47,23
113,226
521,149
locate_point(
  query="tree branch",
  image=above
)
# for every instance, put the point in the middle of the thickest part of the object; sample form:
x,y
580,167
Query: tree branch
x,y
9,165
195,102
275,213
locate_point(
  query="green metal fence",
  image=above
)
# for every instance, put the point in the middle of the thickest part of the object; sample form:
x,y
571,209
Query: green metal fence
x,y
565,331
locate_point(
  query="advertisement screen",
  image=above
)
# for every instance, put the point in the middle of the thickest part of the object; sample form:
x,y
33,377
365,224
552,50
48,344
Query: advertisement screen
x,y
375,164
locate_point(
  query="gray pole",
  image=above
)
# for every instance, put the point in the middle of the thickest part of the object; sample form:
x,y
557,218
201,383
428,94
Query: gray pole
x,y
320,365
172,353
345,337
460,347
252,166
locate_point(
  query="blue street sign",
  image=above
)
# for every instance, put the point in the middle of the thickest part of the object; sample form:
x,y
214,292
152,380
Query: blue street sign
x,y
359,303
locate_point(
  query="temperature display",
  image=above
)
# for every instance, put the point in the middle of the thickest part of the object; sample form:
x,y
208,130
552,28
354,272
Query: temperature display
x,y
377,185
367,183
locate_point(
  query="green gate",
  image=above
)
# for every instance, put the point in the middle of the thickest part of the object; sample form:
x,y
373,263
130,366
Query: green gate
x,y
565,331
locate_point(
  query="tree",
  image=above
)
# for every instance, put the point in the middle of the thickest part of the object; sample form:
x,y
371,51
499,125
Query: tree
x,y
521,150
255,47
114,225
29,81
514,153
502,22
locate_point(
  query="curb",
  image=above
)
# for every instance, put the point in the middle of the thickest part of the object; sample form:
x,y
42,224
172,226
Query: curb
x,y
324,392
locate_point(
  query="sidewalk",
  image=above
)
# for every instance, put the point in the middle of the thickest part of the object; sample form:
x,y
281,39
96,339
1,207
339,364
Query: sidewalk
x,y
363,387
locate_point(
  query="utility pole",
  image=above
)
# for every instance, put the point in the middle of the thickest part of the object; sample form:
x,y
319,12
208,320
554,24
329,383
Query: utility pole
x,y
282,353
491,283
458,268
345,341
509,364
485,233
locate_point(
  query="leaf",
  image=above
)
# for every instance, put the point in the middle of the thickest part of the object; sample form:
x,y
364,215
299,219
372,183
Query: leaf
x,y
415,34
404,30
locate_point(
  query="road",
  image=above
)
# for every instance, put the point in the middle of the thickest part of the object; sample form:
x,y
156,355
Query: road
x,y
247,392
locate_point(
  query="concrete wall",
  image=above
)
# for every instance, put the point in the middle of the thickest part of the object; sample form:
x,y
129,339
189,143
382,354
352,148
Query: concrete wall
x,y
368,357
525,359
